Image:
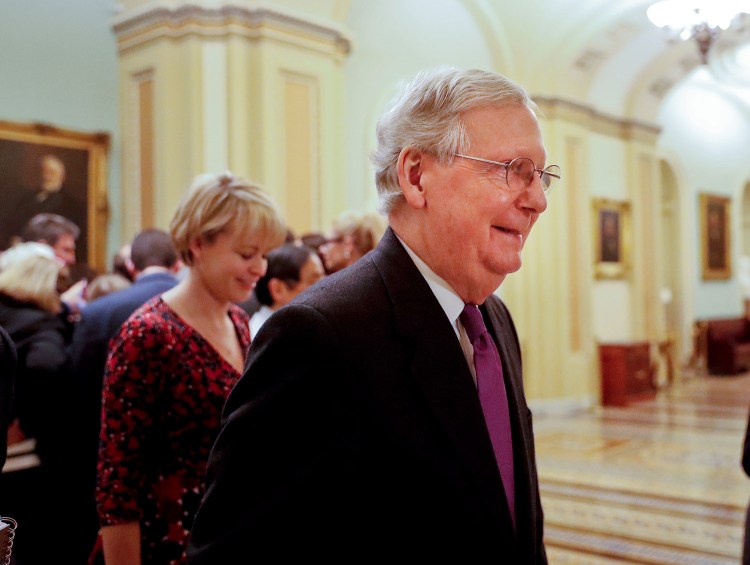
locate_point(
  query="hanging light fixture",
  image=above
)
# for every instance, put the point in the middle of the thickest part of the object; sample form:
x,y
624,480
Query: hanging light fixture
x,y
702,20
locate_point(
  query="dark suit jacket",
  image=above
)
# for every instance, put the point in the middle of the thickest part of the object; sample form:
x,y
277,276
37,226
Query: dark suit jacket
x,y
42,384
356,432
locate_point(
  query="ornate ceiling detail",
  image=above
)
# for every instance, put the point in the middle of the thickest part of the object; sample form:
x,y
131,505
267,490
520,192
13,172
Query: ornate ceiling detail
x,y
605,45
137,26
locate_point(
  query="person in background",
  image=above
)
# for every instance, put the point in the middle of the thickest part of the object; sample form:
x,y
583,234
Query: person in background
x,y
382,412
121,263
56,231
153,262
105,284
252,304
32,485
61,234
352,237
313,240
171,367
291,269
22,251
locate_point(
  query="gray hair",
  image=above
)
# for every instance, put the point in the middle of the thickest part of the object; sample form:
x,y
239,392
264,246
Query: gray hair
x,y
426,115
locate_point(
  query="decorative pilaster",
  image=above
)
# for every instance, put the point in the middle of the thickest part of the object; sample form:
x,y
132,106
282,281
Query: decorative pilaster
x,y
255,90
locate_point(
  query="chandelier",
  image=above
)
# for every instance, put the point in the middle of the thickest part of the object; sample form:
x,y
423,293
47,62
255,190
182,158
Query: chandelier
x,y
702,20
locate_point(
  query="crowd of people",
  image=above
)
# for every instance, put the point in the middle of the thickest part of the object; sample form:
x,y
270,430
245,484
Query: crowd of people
x,y
230,389
119,379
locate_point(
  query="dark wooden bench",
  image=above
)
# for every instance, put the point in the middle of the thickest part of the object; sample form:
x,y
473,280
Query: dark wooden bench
x,y
728,345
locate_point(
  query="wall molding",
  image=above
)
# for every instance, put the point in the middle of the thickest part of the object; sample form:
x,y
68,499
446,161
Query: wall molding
x,y
557,108
136,27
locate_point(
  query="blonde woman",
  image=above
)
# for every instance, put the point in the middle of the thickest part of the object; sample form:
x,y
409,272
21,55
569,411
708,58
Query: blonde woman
x,y
353,236
31,484
170,369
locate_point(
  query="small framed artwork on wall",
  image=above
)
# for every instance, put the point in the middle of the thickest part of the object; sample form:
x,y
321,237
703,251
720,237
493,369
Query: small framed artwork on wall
x,y
45,169
611,221
716,248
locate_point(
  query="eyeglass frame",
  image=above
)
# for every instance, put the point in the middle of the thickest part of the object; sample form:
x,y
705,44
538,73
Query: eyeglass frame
x,y
509,163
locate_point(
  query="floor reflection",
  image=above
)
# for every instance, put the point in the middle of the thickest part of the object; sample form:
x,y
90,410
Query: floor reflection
x,y
657,482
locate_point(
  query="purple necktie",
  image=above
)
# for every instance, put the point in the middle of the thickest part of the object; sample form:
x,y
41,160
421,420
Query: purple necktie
x,y
492,397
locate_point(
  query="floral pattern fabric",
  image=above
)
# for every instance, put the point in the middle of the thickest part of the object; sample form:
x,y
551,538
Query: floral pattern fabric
x,y
164,389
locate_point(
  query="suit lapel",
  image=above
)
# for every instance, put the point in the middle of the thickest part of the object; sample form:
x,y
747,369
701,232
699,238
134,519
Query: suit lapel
x,y
439,368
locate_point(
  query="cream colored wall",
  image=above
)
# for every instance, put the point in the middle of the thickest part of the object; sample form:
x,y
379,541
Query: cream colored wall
x,y
378,62
258,92
550,296
562,311
276,95
705,140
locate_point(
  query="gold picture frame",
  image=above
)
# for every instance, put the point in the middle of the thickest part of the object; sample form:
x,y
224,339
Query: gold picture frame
x,y
611,221
716,236
23,146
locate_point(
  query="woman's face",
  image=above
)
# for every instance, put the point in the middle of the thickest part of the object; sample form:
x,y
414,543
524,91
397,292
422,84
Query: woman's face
x,y
337,252
230,265
310,273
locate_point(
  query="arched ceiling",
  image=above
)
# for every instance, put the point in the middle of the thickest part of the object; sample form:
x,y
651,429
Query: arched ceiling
x,y
608,55
605,54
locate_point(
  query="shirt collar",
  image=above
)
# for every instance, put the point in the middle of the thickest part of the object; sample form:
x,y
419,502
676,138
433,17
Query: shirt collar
x,y
449,300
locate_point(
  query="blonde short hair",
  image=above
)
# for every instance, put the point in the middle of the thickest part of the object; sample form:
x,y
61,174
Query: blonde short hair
x,y
21,251
105,284
33,279
217,203
364,229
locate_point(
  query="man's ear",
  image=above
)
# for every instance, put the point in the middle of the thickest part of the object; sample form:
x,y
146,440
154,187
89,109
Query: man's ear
x,y
410,169
130,267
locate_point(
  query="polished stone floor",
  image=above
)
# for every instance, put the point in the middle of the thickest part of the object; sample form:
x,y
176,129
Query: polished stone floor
x,y
658,482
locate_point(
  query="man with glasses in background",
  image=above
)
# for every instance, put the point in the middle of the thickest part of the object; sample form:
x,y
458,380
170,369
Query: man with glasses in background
x,y
399,425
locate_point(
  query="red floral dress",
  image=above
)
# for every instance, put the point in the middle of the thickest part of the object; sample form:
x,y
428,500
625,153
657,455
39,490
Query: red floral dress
x,y
164,389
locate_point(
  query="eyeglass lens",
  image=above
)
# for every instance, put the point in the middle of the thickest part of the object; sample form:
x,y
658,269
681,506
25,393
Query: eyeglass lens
x,y
520,174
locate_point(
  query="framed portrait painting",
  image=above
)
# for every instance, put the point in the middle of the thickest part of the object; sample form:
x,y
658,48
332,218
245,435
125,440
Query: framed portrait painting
x,y
716,249
611,221
45,169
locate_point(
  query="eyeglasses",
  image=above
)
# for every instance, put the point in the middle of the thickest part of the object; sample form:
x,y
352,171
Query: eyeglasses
x,y
520,172
335,239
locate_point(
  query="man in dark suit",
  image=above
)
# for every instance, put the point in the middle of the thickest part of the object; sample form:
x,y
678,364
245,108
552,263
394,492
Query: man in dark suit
x,y
357,431
154,262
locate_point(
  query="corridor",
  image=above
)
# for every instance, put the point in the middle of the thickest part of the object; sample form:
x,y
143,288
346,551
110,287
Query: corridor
x,y
657,482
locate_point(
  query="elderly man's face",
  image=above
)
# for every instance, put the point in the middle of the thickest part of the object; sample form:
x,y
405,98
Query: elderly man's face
x,y
476,225
53,175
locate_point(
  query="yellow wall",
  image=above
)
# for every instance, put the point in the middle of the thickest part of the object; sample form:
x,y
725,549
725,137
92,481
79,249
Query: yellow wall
x,y
244,90
262,93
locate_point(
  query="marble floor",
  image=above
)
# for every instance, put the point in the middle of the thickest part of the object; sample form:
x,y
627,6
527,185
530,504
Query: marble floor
x,y
658,482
